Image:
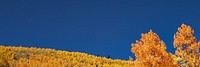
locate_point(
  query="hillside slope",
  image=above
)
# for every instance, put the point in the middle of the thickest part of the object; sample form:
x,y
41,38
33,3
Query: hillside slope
x,y
11,56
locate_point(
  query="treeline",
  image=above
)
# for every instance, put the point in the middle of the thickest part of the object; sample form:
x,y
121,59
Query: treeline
x,y
149,51
40,57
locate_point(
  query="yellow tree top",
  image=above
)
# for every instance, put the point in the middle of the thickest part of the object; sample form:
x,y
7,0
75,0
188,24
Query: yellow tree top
x,y
151,51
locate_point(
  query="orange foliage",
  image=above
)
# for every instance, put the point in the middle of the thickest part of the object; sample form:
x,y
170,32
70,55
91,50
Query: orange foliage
x,y
187,47
151,51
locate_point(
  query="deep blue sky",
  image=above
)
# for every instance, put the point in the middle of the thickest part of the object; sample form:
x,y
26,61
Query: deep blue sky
x,y
98,27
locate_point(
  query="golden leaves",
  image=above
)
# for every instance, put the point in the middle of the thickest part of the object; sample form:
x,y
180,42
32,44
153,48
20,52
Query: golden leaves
x,y
37,57
187,47
151,51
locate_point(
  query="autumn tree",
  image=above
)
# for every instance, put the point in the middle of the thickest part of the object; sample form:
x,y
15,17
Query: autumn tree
x,y
186,47
151,51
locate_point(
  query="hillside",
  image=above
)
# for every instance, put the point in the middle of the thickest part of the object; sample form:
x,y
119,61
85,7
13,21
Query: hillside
x,y
11,56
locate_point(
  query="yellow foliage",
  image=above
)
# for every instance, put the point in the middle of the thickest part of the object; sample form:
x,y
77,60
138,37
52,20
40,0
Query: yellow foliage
x,y
40,57
149,51
3,62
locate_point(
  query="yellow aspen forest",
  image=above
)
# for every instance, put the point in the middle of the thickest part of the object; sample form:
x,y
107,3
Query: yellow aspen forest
x,y
40,57
149,51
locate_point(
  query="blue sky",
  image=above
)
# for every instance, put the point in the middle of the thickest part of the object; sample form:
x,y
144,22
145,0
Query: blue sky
x,y
98,27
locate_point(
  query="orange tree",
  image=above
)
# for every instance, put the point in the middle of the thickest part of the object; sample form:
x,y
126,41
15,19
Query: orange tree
x,y
186,47
151,51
